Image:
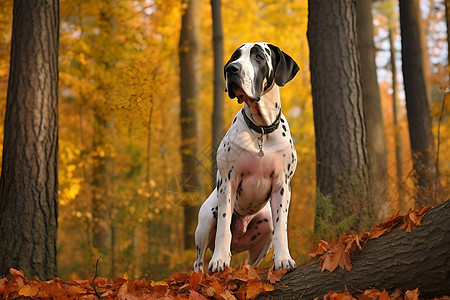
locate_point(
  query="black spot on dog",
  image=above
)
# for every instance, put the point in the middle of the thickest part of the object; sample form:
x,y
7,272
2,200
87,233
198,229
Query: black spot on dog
x,y
276,105
215,214
281,205
234,121
289,167
282,191
253,238
284,127
282,120
259,222
229,175
271,173
224,215
278,219
283,134
266,220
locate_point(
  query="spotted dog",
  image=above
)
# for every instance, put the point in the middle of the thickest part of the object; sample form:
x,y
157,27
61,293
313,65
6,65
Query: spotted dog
x,y
248,209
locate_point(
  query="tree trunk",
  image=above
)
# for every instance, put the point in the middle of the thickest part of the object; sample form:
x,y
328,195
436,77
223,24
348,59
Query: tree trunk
x,y
217,118
341,145
101,193
190,56
397,260
372,109
29,178
422,144
396,108
447,19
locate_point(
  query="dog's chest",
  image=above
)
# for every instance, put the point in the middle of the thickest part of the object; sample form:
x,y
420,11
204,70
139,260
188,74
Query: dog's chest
x,y
253,178
256,179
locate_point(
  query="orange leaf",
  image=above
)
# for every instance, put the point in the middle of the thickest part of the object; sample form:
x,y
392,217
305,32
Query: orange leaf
x,y
218,288
254,288
274,276
227,295
245,273
29,291
124,294
321,248
384,295
412,295
195,279
196,296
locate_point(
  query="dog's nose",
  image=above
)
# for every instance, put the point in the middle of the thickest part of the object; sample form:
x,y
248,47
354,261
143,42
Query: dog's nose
x,y
234,68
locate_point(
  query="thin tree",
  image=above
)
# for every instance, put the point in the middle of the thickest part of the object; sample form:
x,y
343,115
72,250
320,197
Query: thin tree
x,y
421,137
217,117
372,108
447,20
190,55
29,178
341,144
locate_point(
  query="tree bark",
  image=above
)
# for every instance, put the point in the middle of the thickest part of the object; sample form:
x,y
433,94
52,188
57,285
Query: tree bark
x,y
372,109
422,144
217,118
447,21
341,143
190,56
396,111
29,177
397,260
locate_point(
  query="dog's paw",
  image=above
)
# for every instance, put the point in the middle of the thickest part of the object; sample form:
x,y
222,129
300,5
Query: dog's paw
x,y
285,264
198,265
218,265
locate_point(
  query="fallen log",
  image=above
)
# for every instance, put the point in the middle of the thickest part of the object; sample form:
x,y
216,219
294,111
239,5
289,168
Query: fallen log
x,y
397,260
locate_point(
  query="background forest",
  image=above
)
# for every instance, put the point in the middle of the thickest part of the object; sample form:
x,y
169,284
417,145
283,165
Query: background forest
x,y
121,182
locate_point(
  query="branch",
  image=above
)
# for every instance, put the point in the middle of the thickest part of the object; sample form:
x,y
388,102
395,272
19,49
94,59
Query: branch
x,y
97,293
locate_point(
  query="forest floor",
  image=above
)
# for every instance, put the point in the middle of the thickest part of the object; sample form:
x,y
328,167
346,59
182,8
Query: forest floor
x,y
243,282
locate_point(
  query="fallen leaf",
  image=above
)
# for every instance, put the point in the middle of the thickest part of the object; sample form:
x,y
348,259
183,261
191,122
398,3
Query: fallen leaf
x,y
412,295
254,288
29,291
196,296
274,276
195,279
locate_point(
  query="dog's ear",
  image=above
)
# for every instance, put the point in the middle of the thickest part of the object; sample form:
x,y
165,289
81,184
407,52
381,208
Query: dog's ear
x,y
284,66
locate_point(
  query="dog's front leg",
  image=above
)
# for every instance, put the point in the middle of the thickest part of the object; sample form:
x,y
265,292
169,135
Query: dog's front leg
x,y
222,252
280,208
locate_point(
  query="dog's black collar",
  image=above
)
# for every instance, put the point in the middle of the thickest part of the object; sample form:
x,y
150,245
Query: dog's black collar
x,y
262,129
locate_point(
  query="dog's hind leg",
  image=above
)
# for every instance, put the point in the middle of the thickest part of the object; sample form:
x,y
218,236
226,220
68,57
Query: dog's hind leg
x,y
260,236
207,220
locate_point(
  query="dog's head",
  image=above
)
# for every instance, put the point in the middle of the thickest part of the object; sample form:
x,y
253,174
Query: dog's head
x,y
254,68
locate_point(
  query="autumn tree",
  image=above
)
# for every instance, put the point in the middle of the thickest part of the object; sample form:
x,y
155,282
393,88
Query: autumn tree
x,y
372,108
447,20
190,54
342,161
217,117
29,178
421,137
